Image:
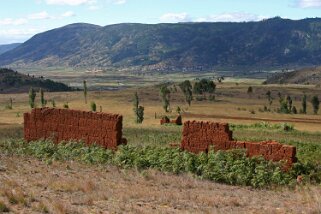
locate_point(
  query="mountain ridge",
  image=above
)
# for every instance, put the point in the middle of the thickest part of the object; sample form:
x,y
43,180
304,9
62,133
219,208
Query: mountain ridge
x,y
177,46
7,47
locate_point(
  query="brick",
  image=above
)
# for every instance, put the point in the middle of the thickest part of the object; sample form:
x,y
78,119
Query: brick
x,y
199,136
65,124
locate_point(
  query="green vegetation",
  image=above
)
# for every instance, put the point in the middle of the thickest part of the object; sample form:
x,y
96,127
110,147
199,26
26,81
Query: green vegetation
x,y
286,105
186,88
11,81
165,95
32,97
53,103
148,149
203,87
225,167
42,98
93,106
138,110
304,104
315,104
250,90
180,46
85,90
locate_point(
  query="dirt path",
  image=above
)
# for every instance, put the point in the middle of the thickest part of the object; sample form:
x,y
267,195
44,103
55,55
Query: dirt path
x,y
76,188
293,119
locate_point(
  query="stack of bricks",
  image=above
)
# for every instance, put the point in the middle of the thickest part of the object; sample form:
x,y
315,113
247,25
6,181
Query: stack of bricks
x,y
65,125
176,121
201,136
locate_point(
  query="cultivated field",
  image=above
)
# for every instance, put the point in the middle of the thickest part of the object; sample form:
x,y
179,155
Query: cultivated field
x,y
72,186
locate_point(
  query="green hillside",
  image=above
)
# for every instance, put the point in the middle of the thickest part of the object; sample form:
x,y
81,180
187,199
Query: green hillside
x,y
271,43
14,82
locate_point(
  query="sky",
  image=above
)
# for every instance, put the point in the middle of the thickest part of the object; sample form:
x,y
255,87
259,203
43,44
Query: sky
x,y
21,19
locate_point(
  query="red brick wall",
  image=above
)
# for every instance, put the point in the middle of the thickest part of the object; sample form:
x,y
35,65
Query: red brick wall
x,y
64,125
201,136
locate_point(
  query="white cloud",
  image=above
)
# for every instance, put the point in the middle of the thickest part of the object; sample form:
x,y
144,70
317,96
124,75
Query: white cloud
x,y
9,21
68,14
308,3
223,17
12,35
70,2
119,1
175,17
39,16
231,17
93,8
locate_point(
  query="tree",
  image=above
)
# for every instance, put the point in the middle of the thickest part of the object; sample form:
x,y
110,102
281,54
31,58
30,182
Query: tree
x,y
304,104
42,98
284,108
289,100
269,97
140,114
32,97
249,90
204,86
53,103
93,106
186,88
138,110
85,91
165,94
315,104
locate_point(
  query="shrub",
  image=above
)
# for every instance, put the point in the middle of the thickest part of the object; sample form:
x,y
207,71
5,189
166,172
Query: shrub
x,y
93,106
138,110
42,98
32,97
230,167
85,90
304,104
186,88
66,106
315,104
165,95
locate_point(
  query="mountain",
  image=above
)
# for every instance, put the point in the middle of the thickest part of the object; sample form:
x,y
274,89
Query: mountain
x,y
271,43
8,47
13,82
305,76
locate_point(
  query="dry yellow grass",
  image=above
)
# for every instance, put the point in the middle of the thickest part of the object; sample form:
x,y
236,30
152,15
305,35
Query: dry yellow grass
x,y
233,105
92,189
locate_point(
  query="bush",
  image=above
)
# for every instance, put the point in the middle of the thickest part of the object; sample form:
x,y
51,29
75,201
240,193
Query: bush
x,y
93,106
231,167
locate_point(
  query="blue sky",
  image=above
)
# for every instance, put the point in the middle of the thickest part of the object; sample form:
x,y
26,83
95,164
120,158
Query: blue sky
x,y
21,19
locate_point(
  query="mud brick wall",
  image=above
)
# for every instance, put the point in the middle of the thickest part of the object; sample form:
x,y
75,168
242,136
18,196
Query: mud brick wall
x,y
201,136
64,125
176,121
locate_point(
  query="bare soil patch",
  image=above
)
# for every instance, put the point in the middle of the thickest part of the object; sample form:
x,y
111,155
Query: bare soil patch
x,y
70,187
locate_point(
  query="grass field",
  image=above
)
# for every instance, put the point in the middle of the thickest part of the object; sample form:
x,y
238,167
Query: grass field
x,y
67,184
